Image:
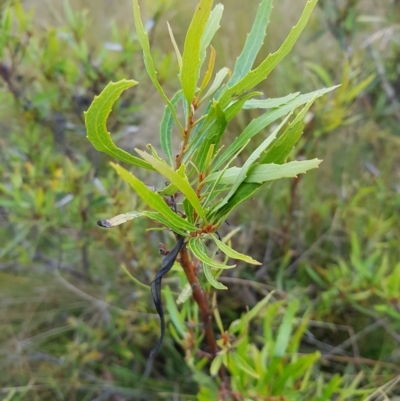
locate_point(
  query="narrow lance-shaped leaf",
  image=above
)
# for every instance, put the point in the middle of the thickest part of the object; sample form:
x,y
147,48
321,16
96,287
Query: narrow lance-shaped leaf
x,y
120,219
196,247
232,110
166,266
177,52
269,103
156,216
209,31
188,208
281,149
96,118
154,200
261,173
166,126
264,120
148,60
250,161
227,250
219,77
208,273
212,138
211,279
208,74
191,51
243,365
247,190
254,42
180,182
259,74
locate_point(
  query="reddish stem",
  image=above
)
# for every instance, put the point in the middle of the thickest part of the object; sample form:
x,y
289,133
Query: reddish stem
x,y
200,298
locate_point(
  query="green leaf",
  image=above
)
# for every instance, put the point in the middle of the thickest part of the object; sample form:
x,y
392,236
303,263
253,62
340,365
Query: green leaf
x,y
254,42
173,312
270,103
212,26
211,138
232,110
188,208
176,228
191,51
259,74
120,219
295,370
154,200
195,245
211,279
96,118
244,192
171,189
261,173
264,120
243,365
176,48
269,172
166,126
208,74
227,250
281,149
285,329
216,363
184,294
176,179
148,60
219,77
250,161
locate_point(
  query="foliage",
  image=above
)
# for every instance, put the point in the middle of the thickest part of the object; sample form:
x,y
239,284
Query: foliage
x,y
75,326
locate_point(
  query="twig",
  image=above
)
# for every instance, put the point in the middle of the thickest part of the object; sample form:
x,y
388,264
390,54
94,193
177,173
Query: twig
x,y
200,298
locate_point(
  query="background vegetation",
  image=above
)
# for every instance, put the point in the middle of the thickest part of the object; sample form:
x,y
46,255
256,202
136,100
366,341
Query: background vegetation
x,y
75,327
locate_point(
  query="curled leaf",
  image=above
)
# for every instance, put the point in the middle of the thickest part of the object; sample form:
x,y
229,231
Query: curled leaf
x,y
166,266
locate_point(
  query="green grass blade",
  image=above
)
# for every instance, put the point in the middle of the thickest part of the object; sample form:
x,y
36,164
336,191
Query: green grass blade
x,y
191,50
243,365
227,250
182,183
96,118
254,42
196,247
153,199
285,329
148,60
166,127
259,74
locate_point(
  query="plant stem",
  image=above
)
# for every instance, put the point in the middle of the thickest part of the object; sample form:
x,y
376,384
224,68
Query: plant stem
x,y
200,298
186,135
